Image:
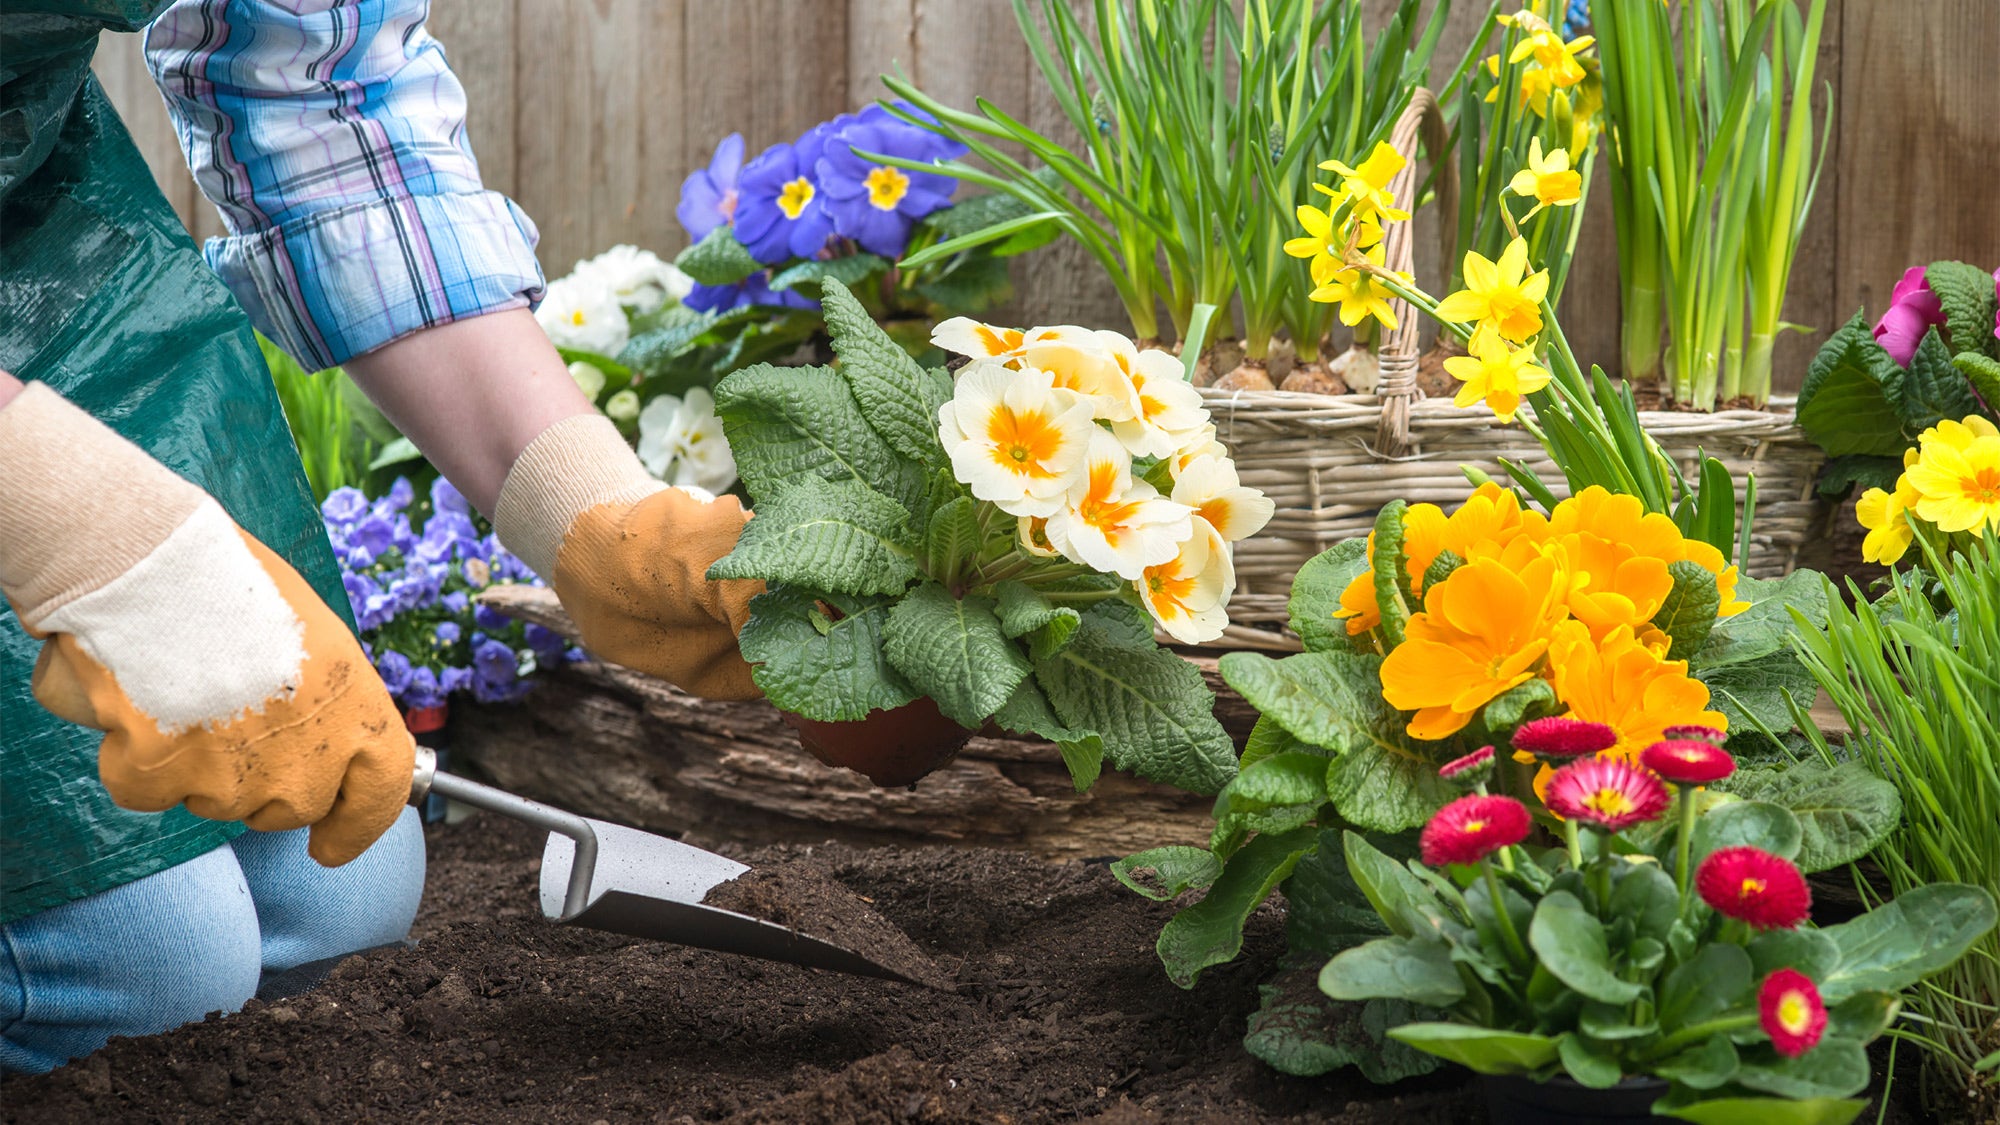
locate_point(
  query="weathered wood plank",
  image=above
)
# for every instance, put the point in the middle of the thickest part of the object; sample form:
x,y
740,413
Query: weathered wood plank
x,y
120,66
481,38
881,39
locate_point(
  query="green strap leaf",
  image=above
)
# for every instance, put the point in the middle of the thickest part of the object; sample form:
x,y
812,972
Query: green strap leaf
x,y
952,650
809,664
1403,902
842,538
718,259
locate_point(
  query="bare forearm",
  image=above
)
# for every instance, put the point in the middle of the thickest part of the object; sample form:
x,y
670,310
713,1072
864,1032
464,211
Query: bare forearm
x,y
471,394
9,387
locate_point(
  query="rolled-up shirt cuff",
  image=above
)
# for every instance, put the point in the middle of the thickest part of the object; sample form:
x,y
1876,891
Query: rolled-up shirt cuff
x,y
331,285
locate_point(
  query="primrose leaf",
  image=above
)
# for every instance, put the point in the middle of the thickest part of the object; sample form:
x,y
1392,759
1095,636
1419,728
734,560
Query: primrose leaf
x,y
1385,790
1295,778
1023,609
718,259
848,270
1390,564
838,674
1480,1049
1757,689
1415,969
1933,389
899,399
1843,474
1211,931
1848,403
1688,614
1330,699
1299,1031
1965,293
1267,738
1843,810
952,650
1326,911
1906,939
1836,1068
1152,708
1767,625
784,423
1769,1111
1570,943
1519,703
1316,595
1027,711
951,537
1984,372
1164,874
842,538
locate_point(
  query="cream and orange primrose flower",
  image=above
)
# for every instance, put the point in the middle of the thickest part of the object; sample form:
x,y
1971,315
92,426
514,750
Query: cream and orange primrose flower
x,y
1481,633
1080,363
962,335
1198,442
1957,477
1112,523
1166,410
1501,294
1360,294
1189,594
1497,374
1366,188
1547,180
1210,486
1014,438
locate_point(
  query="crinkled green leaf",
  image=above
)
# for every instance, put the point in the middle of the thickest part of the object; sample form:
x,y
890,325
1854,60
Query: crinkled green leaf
x,y
1211,931
1299,1031
1027,711
1570,944
1843,810
718,259
897,397
1024,609
1390,564
1326,910
1984,373
1383,790
839,537
784,423
952,650
1757,689
1154,712
1848,402
848,270
1858,473
1267,737
1530,700
1418,970
1316,595
1933,389
1688,614
951,537
1766,627
1901,942
809,664
1294,778
1965,293
1330,699
1441,568
1164,874
1480,1049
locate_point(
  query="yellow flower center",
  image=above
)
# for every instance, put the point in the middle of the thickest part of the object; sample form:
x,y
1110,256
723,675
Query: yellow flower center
x,y
886,188
1609,801
576,318
1475,826
794,196
1794,1014
1983,486
1752,888
1018,453
1023,442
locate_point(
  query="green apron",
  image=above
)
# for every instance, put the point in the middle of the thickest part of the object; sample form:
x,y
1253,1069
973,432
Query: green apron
x,y
104,297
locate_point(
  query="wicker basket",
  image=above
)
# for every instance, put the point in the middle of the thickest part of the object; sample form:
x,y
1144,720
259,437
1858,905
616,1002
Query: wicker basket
x,y
1331,462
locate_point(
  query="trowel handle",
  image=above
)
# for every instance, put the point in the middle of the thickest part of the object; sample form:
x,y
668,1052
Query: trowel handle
x,y
426,779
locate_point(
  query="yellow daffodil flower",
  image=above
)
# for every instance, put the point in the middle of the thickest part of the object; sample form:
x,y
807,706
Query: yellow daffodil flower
x,y
1503,294
1361,294
1546,46
1113,523
1367,187
1014,438
1481,633
1547,180
1188,594
1497,374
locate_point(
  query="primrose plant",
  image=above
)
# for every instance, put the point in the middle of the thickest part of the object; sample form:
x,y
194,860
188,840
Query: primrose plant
x,y
1003,544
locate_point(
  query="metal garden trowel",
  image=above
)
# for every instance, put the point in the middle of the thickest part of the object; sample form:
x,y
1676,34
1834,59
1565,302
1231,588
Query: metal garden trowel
x,y
607,877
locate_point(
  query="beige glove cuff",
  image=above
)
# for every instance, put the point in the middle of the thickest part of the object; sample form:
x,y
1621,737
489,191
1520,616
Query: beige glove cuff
x,y
79,505
573,466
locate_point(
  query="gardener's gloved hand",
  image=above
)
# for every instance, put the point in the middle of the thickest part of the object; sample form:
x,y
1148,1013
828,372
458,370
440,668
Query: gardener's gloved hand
x,y
628,556
220,679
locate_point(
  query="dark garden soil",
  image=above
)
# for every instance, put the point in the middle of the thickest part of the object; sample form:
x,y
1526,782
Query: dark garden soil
x,y
1061,1013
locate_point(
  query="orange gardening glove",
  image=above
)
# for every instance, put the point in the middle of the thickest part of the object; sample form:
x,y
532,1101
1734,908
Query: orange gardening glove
x,y
628,556
220,679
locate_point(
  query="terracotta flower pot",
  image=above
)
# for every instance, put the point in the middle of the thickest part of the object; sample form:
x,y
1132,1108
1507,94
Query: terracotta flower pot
x,y
892,748
1512,1099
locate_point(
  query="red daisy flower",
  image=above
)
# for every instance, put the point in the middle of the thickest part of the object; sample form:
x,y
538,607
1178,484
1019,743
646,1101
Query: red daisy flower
x,y
1688,761
1472,828
1558,737
1695,731
1754,886
1789,1006
1470,771
1607,792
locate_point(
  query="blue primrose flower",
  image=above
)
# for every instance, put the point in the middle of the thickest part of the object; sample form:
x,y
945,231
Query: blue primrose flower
x,y
396,671
780,214
708,197
753,290
874,204
423,691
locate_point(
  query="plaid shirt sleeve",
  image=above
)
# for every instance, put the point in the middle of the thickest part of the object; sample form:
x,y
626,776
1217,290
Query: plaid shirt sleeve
x,y
331,136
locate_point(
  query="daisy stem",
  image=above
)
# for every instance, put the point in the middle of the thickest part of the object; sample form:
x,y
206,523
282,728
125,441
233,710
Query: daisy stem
x,y
1503,919
1685,845
1575,845
1688,1036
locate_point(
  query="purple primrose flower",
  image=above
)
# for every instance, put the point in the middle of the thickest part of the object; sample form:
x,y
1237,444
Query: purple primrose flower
x,y
753,290
782,214
396,671
708,197
1913,310
875,204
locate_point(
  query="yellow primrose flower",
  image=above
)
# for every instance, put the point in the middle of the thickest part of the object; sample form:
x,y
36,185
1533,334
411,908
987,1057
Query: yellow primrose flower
x,y
1886,516
1014,438
1367,187
1621,682
1499,294
1362,295
1547,180
1188,595
1210,486
1115,524
1497,374
1958,485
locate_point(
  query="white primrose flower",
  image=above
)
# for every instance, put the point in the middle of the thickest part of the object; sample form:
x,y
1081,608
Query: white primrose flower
x,y
1169,411
1112,523
965,336
1210,486
681,442
588,378
582,314
639,279
1198,443
1189,594
1014,438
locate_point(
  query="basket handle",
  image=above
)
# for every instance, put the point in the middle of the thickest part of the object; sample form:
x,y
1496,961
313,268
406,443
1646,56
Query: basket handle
x,y
1397,351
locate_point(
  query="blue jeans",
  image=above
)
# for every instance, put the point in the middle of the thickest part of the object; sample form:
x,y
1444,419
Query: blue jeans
x,y
172,947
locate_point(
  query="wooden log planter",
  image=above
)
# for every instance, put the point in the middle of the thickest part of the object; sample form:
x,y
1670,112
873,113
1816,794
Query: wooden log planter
x,y
619,745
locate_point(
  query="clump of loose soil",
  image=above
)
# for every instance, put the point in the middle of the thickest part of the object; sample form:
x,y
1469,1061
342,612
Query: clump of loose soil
x,y
1062,1014
800,895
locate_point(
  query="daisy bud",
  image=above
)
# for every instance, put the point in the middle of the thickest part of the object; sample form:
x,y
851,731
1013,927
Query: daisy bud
x,y
1557,739
1754,886
1472,828
1688,762
1470,772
